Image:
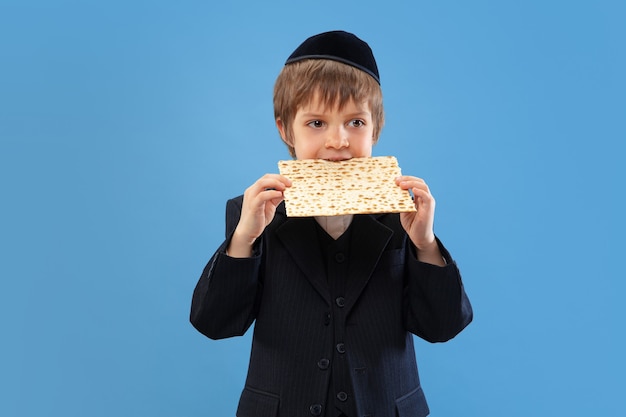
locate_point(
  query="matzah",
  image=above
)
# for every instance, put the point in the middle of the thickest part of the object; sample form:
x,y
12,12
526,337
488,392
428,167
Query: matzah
x,y
353,186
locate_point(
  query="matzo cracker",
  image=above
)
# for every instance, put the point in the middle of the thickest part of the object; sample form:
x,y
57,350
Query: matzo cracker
x,y
354,186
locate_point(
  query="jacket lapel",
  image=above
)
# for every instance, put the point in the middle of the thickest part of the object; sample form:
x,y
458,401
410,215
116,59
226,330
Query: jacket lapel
x,y
369,239
300,239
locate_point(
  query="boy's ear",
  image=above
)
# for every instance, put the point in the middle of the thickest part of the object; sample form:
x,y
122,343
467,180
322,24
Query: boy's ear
x,y
281,130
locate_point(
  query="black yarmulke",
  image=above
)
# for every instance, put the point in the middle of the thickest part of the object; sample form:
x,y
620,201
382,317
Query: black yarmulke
x,y
338,46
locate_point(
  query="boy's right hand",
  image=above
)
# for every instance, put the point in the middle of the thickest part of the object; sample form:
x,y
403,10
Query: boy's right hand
x,y
259,206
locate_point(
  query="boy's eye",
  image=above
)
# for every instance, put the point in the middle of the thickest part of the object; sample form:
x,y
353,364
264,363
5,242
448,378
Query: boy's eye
x,y
357,123
316,123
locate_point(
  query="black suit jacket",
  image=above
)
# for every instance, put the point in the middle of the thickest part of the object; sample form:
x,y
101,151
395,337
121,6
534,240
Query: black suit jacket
x,y
283,286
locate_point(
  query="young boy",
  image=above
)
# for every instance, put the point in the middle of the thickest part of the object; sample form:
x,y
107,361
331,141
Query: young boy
x,y
335,299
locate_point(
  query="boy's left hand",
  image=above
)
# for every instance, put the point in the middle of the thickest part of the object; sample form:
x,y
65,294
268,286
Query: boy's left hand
x,y
419,225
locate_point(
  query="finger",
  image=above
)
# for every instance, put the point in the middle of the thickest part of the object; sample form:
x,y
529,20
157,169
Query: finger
x,y
256,197
272,182
409,185
423,197
286,181
406,178
269,194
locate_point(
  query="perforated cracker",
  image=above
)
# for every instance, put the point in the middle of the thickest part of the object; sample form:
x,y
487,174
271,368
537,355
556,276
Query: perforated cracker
x,y
354,186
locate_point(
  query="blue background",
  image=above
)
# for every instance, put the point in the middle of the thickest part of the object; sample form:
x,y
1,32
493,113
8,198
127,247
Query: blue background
x,y
125,126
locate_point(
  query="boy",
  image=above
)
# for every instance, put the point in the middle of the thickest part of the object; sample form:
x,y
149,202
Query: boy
x,y
335,299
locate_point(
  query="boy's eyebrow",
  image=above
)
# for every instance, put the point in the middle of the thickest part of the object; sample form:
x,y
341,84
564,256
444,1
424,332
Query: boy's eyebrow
x,y
309,114
360,114
321,115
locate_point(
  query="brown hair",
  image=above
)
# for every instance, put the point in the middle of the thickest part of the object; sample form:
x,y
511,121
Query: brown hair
x,y
336,84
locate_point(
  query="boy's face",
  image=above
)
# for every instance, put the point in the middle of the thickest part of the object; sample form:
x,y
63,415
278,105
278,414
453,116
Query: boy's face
x,y
330,133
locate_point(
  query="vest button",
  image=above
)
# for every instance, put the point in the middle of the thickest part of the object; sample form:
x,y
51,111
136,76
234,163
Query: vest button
x,y
341,348
316,409
340,257
323,364
340,301
342,396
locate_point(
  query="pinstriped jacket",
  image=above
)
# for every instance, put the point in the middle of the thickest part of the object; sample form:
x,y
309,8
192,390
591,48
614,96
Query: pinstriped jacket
x,y
283,286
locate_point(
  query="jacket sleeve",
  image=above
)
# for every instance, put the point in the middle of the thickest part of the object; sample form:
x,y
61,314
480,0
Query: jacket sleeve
x,y
436,305
225,299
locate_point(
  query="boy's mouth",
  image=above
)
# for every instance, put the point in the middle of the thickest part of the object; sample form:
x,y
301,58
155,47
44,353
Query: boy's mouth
x,y
337,158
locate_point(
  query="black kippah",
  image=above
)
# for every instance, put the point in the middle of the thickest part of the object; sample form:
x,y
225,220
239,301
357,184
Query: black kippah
x,y
338,46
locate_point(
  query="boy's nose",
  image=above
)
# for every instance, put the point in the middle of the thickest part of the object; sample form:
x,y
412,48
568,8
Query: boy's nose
x,y
337,139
